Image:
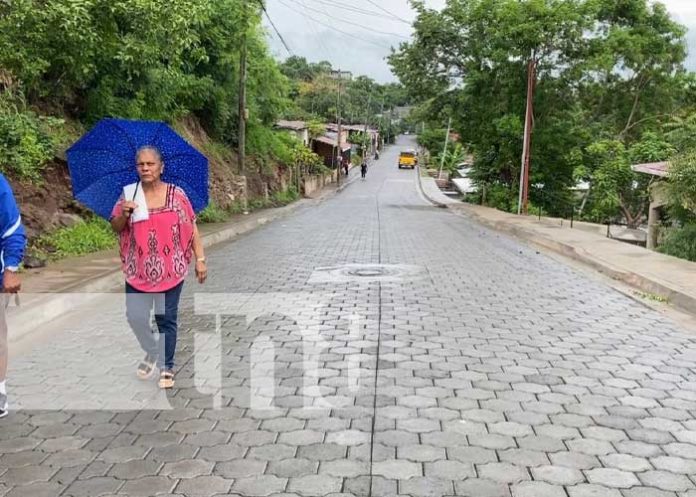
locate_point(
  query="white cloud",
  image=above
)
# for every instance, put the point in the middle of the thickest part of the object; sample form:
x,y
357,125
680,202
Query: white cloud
x,y
363,49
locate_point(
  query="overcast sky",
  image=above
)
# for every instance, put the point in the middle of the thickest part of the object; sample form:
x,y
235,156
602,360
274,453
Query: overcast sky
x,y
356,35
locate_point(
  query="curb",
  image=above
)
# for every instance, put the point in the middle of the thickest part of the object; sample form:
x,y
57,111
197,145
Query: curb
x,y
677,298
433,201
41,308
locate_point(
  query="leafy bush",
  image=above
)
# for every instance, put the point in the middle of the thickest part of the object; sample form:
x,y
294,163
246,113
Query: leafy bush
x,y
27,141
84,237
681,187
212,214
501,197
681,243
285,197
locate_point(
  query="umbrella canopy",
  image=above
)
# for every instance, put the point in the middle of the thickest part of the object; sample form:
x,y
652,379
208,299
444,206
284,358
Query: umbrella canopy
x,y
102,162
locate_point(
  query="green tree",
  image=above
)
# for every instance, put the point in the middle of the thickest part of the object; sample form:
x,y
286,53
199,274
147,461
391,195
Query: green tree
x,y
606,70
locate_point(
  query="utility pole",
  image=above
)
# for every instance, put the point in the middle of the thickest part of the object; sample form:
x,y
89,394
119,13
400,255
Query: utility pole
x,y
381,119
338,136
367,117
241,126
444,151
527,142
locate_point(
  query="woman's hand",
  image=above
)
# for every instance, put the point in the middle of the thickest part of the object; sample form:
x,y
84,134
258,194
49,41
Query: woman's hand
x,y
201,271
128,208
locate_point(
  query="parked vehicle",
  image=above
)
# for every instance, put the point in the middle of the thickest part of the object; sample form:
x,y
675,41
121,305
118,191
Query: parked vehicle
x,y
408,158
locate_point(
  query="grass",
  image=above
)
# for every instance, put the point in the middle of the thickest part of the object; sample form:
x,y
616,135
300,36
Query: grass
x,y
652,296
85,237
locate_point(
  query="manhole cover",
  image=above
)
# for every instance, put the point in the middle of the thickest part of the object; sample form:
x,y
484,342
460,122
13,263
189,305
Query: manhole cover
x,y
365,272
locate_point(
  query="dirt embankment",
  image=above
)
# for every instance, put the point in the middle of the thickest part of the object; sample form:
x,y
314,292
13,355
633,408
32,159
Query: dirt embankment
x,y
50,204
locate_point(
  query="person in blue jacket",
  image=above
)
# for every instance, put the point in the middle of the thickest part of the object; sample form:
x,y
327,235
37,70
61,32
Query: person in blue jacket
x,y
13,241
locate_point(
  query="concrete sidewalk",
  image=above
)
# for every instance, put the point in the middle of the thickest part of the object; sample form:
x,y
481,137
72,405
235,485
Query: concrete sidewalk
x,y
651,272
50,292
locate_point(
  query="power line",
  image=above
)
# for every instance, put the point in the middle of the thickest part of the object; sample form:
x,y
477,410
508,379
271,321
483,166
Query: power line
x,y
357,10
351,35
316,33
263,7
387,33
387,12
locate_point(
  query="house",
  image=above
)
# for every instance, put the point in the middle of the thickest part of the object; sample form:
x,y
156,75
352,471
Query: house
x,y
325,147
658,199
355,130
299,129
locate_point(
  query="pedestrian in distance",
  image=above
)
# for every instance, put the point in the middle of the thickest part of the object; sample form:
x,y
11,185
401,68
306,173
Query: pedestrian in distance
x,y
156,243
363,169
13,241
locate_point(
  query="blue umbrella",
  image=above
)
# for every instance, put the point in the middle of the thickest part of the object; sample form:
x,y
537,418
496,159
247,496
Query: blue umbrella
x,y
102,162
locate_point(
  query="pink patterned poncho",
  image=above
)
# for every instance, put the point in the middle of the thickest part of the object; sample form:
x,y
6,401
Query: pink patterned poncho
x,y
156,252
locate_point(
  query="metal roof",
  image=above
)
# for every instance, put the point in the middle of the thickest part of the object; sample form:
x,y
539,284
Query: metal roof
x,y
295,125
660,169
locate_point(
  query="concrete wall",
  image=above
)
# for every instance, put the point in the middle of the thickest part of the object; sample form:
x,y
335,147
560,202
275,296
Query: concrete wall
x,y
312,184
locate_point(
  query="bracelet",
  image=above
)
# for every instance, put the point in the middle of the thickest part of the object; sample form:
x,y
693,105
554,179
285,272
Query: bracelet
x,y
200,259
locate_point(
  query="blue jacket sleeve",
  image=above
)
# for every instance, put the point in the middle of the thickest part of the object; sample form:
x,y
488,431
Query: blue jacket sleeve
x,y
13,238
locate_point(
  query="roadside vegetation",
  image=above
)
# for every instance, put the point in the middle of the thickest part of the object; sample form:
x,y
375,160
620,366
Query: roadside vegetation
x,y
612,91
66,64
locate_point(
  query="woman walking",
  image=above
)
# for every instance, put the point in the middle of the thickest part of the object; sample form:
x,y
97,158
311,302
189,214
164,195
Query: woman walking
x,y
363,169
156,252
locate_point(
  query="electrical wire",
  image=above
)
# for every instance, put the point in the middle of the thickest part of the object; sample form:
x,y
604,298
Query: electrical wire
x,y
350,35
387,12
322,45
357,10
263,7
361,26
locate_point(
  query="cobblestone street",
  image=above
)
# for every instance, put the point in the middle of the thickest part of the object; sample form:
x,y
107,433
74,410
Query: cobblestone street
x,y
372,345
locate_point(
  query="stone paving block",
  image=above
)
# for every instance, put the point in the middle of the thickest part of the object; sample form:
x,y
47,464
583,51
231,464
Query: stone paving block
x,y
172,453
70,458
479,487
674,464
134,469
611,477
590,446
626,462
285,468
536,489
420,453
492,441
638,449
591,490
203,486
315,485
557,475
449,470
665,480
345,469
189,468
321,452
502,472
148,486
26,475
648,492
123,454
275,452
397,470
42,489
93,487
299,437
426,487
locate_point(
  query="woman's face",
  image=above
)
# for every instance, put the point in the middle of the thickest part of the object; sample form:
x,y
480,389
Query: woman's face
x,y
149,166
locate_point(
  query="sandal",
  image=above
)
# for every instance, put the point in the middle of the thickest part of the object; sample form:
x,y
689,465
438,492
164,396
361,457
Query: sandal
x,y
146,368
166,379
